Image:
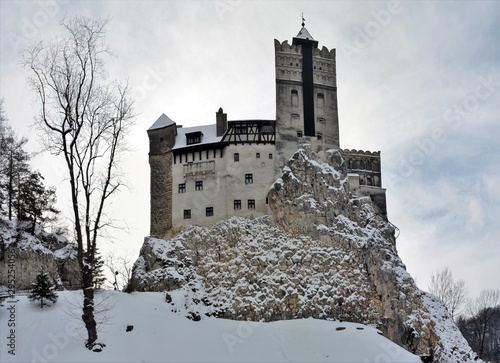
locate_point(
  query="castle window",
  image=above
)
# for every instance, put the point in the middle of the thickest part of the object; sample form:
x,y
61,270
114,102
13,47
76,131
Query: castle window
x,y
257,155
193,137
319,136
187,213
321,120
248,178
321,100
299,134
182,188
251,204
270,156
236,157
209,211
161,139
295,98
237,204
198,185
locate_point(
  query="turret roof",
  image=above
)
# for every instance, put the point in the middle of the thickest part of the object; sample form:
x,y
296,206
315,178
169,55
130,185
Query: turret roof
x,y
304,34
163,121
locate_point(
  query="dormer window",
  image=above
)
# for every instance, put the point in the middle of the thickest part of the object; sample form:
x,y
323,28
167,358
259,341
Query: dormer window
x,y
194,137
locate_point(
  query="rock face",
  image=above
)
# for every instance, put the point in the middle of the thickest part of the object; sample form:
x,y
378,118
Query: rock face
x,y
23,254
322,252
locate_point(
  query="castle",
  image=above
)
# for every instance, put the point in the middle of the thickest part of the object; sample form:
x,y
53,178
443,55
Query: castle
x,y
201,175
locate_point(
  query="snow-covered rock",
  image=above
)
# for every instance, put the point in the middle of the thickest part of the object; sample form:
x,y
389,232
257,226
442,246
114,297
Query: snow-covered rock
x,y
322,252
22,254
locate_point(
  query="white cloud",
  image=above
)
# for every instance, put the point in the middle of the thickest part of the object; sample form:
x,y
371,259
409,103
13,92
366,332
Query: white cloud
x,y
393,96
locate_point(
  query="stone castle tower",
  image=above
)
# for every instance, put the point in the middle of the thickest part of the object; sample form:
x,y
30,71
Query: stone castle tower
x,y
306,96
203,174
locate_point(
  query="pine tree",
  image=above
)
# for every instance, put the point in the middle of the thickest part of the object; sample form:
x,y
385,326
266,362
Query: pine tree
x,y
36,202
42,289
98,268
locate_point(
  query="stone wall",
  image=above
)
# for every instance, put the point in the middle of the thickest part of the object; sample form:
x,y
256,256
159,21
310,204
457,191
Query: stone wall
x,y
161,193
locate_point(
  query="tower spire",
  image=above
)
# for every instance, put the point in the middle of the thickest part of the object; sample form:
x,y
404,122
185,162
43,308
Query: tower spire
x,y
303,21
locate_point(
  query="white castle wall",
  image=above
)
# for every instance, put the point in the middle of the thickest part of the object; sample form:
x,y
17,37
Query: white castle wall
x,y
223,182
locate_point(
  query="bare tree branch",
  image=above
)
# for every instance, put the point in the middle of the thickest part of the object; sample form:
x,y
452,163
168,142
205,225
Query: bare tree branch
x,y
453,294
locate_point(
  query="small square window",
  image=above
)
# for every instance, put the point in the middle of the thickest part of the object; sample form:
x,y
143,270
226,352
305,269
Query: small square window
x,y
182,188
299,133
187,213
198,185
209,212
257,155
248,178
236,157
251,204
237,204
270,156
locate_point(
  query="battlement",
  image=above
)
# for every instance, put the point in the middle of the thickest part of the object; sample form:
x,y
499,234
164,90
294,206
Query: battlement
x,y
361,152
285,47
289,64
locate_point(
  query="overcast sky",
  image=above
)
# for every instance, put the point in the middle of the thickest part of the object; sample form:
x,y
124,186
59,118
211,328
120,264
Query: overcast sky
x,y
419,81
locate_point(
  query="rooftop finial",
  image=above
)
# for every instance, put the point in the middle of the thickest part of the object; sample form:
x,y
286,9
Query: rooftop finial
x,y
303,20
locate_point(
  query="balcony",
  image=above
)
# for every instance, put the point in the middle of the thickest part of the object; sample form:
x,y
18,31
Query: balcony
x,y
204,168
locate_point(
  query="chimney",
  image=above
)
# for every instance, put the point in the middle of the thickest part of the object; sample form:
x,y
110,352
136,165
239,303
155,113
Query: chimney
x,y
221,120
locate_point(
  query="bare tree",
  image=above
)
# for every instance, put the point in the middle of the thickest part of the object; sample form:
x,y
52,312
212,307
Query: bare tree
x,y
453,294
84,119
484,314
121,268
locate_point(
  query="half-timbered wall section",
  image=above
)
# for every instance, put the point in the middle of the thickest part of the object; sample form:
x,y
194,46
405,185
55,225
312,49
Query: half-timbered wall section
x,y
250,131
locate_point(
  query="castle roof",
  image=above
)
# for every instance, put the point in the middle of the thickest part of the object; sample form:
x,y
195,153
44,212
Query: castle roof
x,y
209,135
304,34
163,121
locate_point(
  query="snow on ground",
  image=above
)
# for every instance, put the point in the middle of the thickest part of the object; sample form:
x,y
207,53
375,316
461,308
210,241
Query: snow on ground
x,y
54,334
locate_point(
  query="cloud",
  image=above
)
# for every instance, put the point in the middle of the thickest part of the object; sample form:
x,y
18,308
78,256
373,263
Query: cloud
x,y
408,89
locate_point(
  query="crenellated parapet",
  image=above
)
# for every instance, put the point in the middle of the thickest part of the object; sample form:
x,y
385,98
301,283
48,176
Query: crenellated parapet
x,y
361,152
288,60
366,163
285,47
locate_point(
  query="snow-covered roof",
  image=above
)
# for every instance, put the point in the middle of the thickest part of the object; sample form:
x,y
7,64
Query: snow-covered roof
x,y
163,121
304,34
209,135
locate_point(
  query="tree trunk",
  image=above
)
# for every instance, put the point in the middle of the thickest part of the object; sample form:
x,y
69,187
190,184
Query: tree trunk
x,y
88,307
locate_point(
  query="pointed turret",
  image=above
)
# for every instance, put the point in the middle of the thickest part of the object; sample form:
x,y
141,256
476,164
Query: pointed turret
x,y
304,38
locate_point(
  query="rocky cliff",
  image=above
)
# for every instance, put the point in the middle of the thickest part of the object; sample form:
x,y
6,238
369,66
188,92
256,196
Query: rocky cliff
x,y
322,252
22,254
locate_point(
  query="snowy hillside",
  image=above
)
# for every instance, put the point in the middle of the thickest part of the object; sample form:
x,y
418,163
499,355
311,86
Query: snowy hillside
x,y
159,335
